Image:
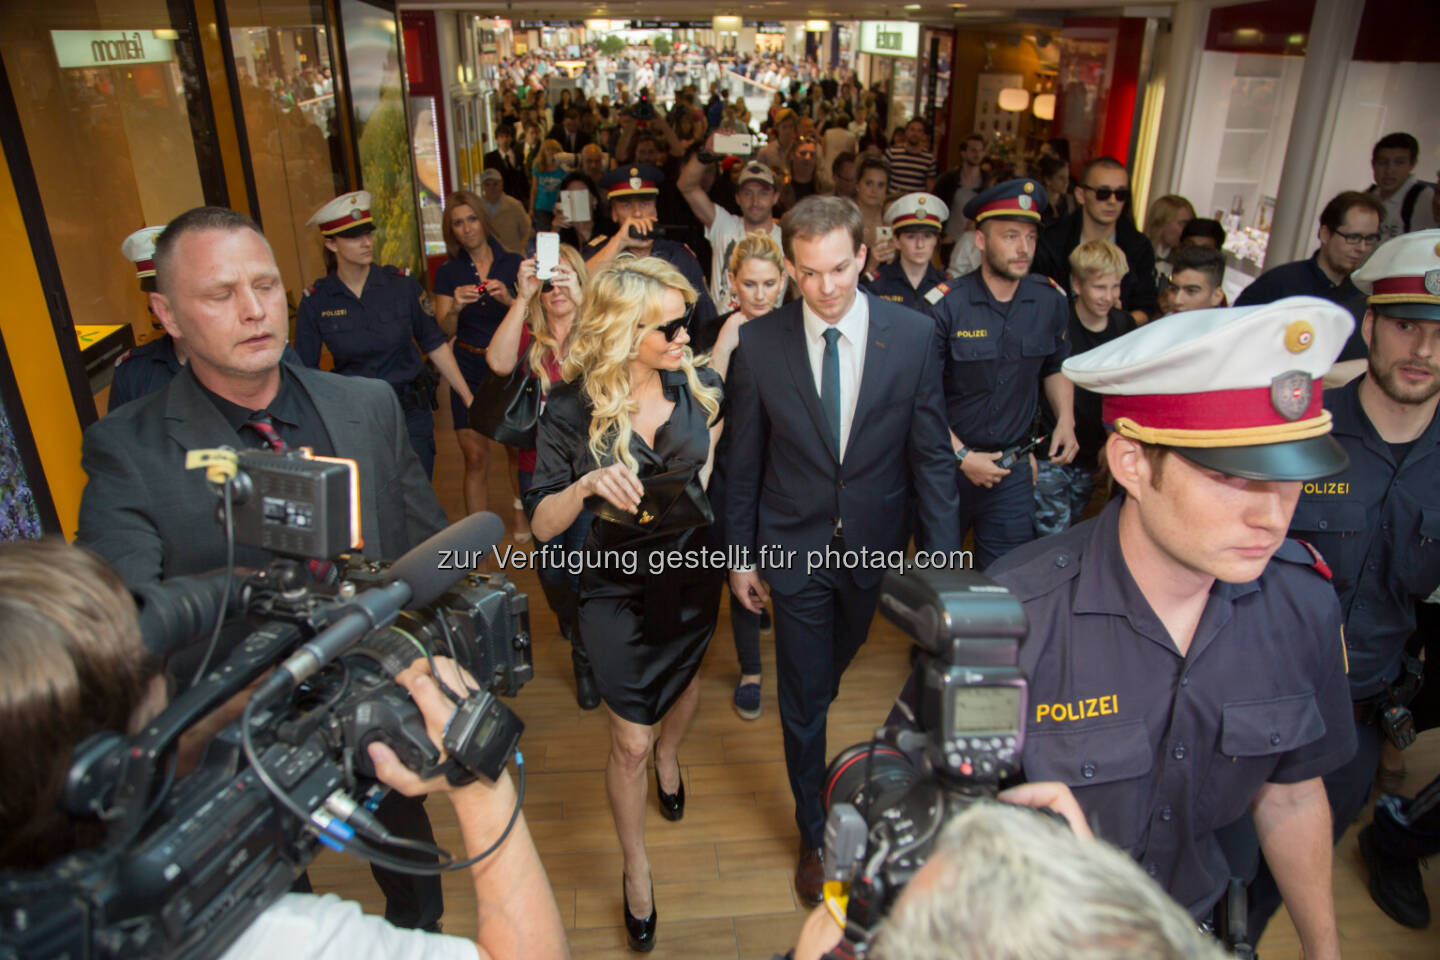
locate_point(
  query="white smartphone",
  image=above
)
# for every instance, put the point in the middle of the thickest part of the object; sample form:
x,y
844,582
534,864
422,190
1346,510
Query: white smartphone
x,y
883,233
733,145
575,205
547,254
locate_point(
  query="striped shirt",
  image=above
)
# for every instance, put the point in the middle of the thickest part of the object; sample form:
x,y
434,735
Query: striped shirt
x,y
909,169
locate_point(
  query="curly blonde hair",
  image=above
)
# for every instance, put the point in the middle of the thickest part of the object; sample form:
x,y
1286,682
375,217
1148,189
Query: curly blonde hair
x,y
542,341
622,302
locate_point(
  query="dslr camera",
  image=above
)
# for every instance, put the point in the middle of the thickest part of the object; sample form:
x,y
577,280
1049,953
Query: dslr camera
x,y
962,733
188,863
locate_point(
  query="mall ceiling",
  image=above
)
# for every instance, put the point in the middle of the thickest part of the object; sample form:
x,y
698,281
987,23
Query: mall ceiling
x,y
927,11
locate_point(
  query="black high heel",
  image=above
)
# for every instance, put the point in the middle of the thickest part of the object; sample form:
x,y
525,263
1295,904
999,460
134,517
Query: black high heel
x,y
641,933
672,805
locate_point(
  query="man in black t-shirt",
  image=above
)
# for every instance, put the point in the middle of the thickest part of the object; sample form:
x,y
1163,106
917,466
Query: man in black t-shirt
x,y
1063,492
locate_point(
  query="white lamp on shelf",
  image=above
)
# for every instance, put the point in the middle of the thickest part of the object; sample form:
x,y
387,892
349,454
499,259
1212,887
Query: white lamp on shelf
x,y
1014,99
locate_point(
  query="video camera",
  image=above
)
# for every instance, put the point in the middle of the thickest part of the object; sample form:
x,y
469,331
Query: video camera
x,y
887,800
187,864
642,109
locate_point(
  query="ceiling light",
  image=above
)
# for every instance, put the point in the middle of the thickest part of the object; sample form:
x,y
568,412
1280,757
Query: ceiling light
x,y
912,6
1014,99
1044,107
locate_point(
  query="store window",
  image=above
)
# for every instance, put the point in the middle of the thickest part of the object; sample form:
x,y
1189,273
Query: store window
x,y
103,106
282,55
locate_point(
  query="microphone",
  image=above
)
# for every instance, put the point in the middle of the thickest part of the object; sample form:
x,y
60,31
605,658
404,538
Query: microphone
x,y
178,612
417,579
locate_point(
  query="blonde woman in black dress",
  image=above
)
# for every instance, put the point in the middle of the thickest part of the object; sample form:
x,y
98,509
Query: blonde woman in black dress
x,y
635,406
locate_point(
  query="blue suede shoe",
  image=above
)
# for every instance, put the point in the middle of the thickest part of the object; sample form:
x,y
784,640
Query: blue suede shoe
x,y
747,700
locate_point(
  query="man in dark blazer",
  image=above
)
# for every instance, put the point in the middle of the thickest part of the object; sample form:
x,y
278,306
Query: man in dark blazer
x,y
509,159
219,293
837,435
567,132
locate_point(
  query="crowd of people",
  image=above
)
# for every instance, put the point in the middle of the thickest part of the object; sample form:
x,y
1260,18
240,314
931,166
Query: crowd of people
x,y
762,352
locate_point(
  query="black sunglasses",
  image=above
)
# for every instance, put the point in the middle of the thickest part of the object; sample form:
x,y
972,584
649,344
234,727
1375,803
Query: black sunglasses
x,y
671,329
1105,193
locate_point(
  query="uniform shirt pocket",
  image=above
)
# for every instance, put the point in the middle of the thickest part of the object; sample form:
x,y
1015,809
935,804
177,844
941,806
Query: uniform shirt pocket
x,y
1421,569
1106,766
1334,527
1040,344
972,364
1261,728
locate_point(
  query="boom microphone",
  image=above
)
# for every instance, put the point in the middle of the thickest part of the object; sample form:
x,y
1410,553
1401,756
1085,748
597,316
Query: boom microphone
x,y
417,579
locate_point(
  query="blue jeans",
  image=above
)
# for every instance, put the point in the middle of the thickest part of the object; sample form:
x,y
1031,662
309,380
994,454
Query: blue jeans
x,y
561,582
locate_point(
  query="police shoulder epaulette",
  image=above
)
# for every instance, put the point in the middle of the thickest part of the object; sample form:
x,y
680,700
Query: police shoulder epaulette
x,y
871,276
1046,278
937,293
123,357
308,291
403,271
1300,552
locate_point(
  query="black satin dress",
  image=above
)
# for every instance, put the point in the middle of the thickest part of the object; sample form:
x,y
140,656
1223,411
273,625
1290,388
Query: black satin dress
x,y
645,621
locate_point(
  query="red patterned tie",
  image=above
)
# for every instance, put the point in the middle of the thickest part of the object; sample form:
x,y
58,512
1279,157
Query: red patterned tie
x,y
262,423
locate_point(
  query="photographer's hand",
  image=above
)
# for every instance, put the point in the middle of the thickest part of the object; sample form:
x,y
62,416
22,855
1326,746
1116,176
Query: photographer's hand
x,y
516,911
1054,796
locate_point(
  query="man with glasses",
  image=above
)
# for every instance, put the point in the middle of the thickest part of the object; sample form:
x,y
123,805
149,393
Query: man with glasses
x,y
1103,195
1349,232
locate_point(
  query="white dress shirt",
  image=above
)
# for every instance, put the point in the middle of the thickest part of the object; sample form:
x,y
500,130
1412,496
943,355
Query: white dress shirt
x,y
854,327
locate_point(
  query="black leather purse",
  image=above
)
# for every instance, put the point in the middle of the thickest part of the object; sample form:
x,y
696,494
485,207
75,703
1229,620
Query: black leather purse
x,y
507,408
673,502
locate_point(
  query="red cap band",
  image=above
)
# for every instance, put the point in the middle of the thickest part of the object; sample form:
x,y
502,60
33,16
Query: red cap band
x,y
354,218
1391,286
1009,207
1215,410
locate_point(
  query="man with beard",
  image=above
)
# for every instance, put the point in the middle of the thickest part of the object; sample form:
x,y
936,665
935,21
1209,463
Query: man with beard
x,y
756,193
1377,524
1000,331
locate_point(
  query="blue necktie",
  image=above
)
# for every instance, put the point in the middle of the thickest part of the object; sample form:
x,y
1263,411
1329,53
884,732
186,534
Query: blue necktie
x,y
830,385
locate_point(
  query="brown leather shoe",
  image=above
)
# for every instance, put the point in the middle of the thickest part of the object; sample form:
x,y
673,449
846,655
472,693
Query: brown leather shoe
x,y
810,876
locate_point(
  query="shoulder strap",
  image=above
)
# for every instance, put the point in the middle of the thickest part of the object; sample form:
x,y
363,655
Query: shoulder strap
x,y
1407,206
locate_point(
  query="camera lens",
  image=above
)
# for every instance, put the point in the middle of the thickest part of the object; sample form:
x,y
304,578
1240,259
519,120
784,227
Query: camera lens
x,y
845,782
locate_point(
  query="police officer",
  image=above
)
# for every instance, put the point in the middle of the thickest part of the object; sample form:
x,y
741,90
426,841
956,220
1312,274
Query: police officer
x,y
911,279
1185,659
632,191
1377,523
1000,330
371,317
145,368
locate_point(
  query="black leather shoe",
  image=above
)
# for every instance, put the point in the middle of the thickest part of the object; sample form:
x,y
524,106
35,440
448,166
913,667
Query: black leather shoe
x,y
1395,884
641,933
672,805
587,694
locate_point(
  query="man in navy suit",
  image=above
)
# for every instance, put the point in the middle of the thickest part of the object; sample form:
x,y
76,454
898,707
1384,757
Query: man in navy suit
x,y
837,436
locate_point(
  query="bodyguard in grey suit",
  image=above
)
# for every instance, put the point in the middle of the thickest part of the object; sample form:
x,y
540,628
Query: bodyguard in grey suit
x,y
836,430
219,292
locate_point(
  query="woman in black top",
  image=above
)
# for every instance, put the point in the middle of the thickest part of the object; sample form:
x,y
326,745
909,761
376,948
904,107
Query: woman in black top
x,y
635,406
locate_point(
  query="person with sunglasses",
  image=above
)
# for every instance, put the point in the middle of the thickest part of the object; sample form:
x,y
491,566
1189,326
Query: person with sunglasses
x,y
1103,195
1349,233
636,412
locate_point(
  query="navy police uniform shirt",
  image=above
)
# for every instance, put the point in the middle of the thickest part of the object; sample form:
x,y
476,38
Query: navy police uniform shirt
x,y
1377,525
142,370
478,320
679,256
995,355
891,283
1162,750
373,335
1305,278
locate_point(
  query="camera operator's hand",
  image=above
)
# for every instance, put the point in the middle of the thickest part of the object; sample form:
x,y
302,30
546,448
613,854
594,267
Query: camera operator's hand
x,y
517,915
437,709
819,936
1054,796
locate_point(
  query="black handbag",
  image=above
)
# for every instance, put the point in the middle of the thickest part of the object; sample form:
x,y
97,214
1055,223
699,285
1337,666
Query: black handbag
x,y
507,408
673,502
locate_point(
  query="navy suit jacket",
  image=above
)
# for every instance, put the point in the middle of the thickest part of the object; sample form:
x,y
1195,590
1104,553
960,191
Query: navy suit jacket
x,y
152,519
785,483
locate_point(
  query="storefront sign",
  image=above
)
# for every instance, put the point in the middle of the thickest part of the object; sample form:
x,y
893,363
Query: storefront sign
x,y
103,48
889,38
